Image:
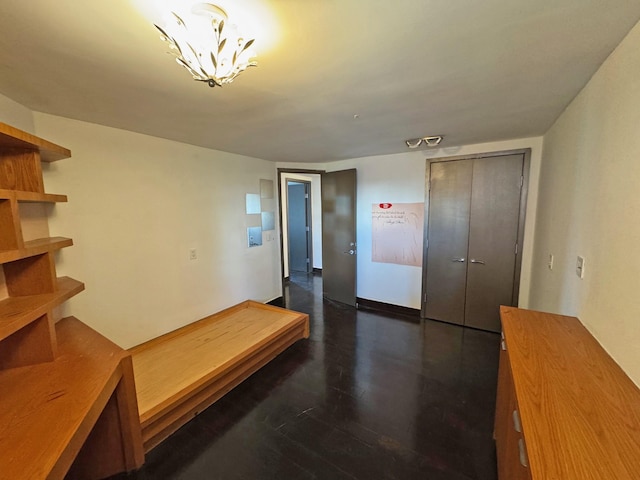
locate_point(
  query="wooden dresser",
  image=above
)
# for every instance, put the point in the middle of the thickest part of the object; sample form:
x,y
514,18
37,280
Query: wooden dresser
x,y
565,410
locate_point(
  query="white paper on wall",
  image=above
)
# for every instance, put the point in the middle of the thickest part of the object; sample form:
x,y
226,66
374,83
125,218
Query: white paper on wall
x,y
397,230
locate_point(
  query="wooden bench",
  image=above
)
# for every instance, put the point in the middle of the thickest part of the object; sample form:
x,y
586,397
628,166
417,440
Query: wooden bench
x,y
181,373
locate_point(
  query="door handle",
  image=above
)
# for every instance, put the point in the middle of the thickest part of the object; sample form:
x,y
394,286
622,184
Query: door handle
x,y
523,453
458,260
480,262
350,252
517,426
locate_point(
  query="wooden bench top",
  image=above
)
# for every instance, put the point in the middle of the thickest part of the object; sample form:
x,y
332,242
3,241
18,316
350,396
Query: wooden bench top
x,y
174,365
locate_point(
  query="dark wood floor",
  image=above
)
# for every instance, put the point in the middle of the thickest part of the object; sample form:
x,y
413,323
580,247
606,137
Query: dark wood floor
x,y
368,396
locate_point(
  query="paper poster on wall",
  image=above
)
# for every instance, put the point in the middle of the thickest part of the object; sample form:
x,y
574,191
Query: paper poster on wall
x,y
397,230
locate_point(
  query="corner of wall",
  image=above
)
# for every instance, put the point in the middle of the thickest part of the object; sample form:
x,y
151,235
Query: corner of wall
x,y
16,115
588,205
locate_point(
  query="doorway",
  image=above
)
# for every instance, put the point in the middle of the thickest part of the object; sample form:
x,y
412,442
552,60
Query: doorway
x,y
299,226
474,211
313,179
333,251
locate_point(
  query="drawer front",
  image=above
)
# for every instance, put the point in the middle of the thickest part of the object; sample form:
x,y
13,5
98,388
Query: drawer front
x,y
511,450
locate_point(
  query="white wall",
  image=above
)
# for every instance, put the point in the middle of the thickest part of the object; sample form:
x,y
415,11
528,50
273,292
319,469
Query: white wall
x,y
14,114
137,204
400,178
316,216
316,220
590,206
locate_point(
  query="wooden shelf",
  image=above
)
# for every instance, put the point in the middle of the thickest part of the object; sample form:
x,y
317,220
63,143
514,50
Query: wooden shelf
x,y
35,247
32,196
11,137
17,312
49,410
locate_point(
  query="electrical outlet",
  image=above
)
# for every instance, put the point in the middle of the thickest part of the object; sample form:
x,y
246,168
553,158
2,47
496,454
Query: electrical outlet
x,y
193,254
550,264
580,266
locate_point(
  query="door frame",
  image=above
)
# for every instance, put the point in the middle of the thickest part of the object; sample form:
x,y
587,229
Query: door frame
x,y
280,172
309,226
524,192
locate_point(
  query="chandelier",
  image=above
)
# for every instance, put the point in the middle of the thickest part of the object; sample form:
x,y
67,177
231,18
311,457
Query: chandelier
x,y
211,50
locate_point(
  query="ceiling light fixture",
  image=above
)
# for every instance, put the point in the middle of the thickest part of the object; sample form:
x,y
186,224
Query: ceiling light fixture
x,y
428,141
210,49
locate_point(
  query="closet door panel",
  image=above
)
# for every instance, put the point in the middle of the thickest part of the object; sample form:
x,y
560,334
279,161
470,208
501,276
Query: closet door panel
x,y
448,236
493,233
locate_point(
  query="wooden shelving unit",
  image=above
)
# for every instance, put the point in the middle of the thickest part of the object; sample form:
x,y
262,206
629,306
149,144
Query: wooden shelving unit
x,y
68,404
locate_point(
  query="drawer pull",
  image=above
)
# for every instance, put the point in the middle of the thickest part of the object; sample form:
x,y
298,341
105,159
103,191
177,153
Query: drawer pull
x,y
516,422
523,454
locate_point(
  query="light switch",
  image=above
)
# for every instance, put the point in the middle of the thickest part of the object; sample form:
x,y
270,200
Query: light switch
x,y
550,264
580,266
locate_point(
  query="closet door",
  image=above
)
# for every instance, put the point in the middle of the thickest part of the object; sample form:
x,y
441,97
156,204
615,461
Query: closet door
x,y
448,235
493,234
474,208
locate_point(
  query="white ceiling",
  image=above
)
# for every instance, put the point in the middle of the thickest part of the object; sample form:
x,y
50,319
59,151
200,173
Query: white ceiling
x,y
472,70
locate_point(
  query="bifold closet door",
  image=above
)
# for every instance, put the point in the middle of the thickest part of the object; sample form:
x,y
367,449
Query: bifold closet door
x,y
474,207
493,235
448,234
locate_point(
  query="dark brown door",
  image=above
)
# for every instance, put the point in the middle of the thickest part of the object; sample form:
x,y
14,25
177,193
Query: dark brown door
x,y
473,222
493,234
449,207
339,236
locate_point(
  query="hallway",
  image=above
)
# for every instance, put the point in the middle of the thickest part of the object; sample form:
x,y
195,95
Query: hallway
x,y
368,396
